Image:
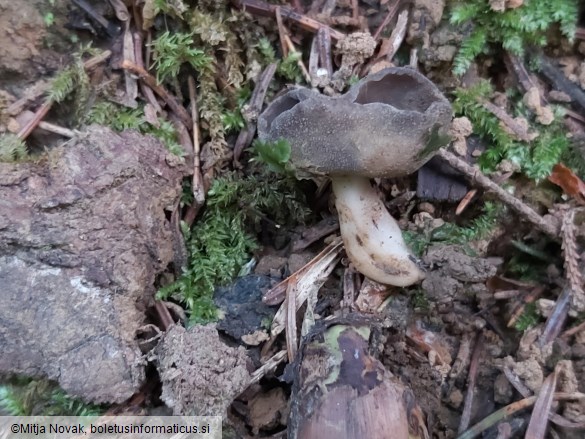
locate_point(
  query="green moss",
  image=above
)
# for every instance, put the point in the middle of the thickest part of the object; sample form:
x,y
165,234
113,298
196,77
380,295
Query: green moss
x,y
12,148
121,118
528,319
535,158
512,29
450,233
28,397
223,238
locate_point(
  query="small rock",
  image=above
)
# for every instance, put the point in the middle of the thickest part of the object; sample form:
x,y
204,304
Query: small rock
x,y
242,307
530,373
268,410
456,398
503,391
559,96
269,264
426,207
296,261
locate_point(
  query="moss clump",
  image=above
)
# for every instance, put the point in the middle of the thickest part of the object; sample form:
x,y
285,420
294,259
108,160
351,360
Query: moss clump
x,y
512,29
450,233
121,118
223,238
535,158
28,397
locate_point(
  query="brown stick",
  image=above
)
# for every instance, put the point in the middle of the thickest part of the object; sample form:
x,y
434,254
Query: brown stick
x,y
147,91
391,13
263,9
46,107
255,106
281,32
473,368
159,90
525,211
198,187
292,48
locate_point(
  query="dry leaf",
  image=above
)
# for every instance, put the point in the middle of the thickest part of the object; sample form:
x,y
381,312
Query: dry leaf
x,y
569,182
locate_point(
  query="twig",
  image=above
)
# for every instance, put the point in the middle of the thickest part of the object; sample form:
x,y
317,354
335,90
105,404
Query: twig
x,y
413,59
574,330
542,406
389,16
349,289
527,299
554,323
520,131
463,356
324,47
264,9
473,368
291,320
510,409
198,187
312,234
571,263
112,29
475,175
253,110
292,48
166,320
355,10
559,80
159,90
46,107
281,32
397,35
269,366
32,124
146,91
62,131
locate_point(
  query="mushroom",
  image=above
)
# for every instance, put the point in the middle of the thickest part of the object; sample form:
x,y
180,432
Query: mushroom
x,y
387,125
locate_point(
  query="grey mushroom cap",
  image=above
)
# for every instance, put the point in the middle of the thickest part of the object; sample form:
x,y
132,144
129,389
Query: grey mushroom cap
x,y
387,125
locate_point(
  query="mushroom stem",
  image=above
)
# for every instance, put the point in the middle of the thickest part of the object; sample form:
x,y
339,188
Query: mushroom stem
x,y
372,238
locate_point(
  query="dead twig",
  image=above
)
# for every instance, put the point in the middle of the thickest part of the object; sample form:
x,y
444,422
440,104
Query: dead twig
x,y
473,368
263,9
312,234
268,367
525,211
519,131
146,91
559,80
506,412
556,321
292,48
571,262
389,16
281,32
164,315
198,186
47,105
396,37
252,110
159,90
539,418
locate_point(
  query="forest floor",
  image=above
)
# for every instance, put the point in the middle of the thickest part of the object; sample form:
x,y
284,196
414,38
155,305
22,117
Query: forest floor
x,y
139,210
